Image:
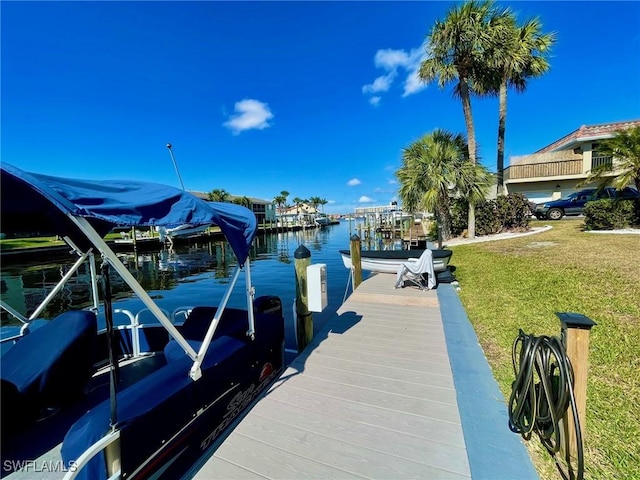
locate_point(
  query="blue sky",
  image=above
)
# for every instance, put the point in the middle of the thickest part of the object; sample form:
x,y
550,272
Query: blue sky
x,y
316,98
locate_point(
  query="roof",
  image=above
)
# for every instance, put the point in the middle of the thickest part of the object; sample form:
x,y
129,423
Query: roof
x,y
587,133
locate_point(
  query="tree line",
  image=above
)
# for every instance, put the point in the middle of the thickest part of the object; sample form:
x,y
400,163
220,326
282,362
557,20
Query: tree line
x,y
221,195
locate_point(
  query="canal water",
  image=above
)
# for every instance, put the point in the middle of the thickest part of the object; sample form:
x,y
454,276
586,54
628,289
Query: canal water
x,y
197,274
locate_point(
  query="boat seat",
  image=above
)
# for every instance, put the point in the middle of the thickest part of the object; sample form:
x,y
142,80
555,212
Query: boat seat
x,y
154,408
47,367
233,323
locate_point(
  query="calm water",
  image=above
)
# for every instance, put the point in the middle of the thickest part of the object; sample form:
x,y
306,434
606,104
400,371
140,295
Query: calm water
x,y
195,275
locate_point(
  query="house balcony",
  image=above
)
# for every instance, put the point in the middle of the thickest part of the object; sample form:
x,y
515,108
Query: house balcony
x,y
546,170
549,167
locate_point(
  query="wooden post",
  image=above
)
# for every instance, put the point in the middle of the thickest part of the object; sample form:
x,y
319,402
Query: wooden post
x,y
356,262
575,328
304,320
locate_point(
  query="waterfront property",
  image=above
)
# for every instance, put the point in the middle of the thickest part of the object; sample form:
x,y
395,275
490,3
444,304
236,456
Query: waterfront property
x,y
264,210
554,171
394,386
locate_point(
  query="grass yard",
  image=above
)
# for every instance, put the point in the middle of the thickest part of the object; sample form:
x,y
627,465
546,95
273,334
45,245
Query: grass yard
x,y
511,284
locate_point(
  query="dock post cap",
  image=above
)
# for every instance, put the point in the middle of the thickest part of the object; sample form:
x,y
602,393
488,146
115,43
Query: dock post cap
x,y
302,252
575,320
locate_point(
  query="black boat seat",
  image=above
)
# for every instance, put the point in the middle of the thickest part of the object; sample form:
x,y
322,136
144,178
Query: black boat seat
x,y
47,367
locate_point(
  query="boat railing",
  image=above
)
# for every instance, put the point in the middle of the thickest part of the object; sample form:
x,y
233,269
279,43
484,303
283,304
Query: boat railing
x,y
135,324
103,444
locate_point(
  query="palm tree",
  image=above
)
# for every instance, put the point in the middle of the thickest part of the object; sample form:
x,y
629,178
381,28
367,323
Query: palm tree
x,y
315,202
218,195
297,201
280,201
625,148
518,54
434,170
323,202
456,50
284,194
244,201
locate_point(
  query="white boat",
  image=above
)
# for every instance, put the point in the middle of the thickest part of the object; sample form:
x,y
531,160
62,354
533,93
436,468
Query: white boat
x,y
322,219
139,400
389,261
181,232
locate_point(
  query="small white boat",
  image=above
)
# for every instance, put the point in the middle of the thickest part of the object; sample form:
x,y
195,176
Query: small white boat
x,y
389,261
183,231
322,220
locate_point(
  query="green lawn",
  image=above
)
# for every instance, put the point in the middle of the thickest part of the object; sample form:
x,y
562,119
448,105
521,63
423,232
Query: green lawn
x,y
520,283
34,242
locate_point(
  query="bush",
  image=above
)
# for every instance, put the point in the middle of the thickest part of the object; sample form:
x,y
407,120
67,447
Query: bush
x,y
507,212
514,211
487,219
459,216
609,214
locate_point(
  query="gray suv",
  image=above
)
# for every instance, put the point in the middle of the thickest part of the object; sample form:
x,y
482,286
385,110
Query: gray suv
x,y
574,203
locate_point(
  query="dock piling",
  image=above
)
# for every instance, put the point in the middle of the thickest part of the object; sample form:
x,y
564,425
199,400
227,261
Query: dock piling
x,y
356,262
304,318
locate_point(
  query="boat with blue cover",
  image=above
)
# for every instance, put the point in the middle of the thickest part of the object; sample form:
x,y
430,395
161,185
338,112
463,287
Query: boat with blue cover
x,y
137,400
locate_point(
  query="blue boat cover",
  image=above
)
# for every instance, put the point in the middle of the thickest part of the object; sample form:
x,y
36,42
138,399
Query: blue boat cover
x,y
34,202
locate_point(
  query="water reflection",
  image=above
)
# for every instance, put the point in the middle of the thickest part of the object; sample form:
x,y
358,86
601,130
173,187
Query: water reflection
x,y
197,273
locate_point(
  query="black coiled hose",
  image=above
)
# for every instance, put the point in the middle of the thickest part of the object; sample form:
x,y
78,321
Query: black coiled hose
x,y
539,407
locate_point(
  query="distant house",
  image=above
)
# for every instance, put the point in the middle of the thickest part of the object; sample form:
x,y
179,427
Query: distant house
x,y
302,214
264,210
555,170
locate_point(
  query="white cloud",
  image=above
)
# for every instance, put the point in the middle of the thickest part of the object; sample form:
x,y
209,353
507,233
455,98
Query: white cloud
x,y
392,181
380,84
375,101
390,59
395,63
365,199
353,182
249,114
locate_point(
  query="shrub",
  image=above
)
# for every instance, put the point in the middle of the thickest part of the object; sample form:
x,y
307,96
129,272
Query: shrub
x,y
487,219
459,217
507,212
514,211
609,214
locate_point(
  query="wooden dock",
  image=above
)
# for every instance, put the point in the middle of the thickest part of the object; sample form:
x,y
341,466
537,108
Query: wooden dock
x,y
372,397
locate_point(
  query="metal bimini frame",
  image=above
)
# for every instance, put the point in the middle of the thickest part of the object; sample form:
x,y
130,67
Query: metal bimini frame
x,y
197,357
83,256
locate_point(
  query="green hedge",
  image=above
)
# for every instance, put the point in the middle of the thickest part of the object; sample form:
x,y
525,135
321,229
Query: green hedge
x,y
611,214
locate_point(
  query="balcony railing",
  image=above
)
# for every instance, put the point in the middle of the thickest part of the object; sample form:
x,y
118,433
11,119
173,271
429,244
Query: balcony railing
x,y
596,161
547,169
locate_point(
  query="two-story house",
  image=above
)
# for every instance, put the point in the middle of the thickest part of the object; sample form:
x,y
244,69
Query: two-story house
x,y
265,210
555,170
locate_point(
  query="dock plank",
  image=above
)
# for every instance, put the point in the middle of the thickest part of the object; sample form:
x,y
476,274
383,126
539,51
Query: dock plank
x,y
372,397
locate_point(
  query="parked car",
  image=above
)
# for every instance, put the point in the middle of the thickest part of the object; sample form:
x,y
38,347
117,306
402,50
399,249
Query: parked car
x,y
574,203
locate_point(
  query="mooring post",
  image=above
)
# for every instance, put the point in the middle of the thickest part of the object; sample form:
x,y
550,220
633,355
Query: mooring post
x,y
356,262
575,334
304,320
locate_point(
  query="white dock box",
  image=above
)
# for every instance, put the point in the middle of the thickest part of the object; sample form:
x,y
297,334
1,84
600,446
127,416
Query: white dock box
x,y
317,287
